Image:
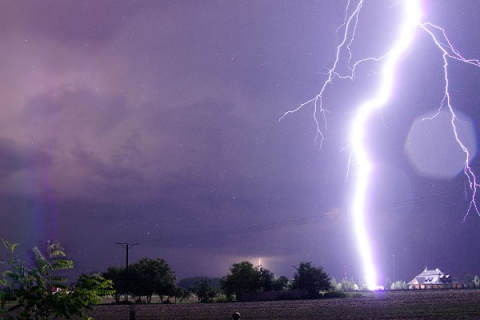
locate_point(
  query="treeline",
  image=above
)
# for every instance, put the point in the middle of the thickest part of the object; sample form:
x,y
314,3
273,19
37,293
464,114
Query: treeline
x,y
154,277
41,291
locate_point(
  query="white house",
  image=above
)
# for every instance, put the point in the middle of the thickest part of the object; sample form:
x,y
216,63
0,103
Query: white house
x,y
433,279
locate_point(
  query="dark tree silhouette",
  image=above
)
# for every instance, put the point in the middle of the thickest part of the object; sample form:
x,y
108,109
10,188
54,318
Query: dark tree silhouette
x,y
312,279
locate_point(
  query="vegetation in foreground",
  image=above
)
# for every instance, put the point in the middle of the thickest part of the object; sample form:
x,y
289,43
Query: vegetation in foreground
x,y
40,292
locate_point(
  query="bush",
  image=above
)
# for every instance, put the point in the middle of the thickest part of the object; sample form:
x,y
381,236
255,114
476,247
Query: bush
x,y
334,294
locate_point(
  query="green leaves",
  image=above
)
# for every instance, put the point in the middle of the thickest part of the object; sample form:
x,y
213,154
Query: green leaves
x,y
31,288
152,276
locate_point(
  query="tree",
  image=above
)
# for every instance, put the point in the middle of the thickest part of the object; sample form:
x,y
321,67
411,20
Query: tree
x,y
399,285
93,288
388,283
310,278
182,294
335,285
468,280
117,276
269,282
243,278
188,283
349,285
39,292
267,279
476,282
152,276
204,291
281,283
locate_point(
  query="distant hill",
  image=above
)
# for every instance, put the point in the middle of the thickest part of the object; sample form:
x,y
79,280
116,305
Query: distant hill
x,y
188,283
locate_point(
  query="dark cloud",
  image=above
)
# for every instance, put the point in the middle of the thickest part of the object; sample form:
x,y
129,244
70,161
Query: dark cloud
x,y
80,23
17,157
66,109
158,122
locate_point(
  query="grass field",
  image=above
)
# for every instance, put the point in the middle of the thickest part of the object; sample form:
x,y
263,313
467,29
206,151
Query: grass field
x,y
441,304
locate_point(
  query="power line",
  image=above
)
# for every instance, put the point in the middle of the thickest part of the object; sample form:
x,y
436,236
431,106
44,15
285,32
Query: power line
x,y
341,214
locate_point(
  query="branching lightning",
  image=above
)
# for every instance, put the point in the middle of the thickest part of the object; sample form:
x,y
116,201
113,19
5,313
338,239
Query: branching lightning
x,y
359,156
449,52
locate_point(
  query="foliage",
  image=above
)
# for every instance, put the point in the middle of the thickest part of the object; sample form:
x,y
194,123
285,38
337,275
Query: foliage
x,y
472,281
476,282
335,285
204,291
388,284
152,276
39,292
245,278
182,294
281,283
146,278
269,282
468,280
93,288
334,294
188,283
349,285
117,276
310,278
398,285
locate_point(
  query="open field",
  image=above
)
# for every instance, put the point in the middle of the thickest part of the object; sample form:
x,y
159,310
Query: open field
x,y
441,304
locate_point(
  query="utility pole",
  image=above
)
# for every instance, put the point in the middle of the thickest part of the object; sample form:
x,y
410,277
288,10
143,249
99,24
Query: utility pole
x,y
126,246
394,275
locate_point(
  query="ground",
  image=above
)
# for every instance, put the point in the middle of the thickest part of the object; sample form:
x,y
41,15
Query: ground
x,y
419,304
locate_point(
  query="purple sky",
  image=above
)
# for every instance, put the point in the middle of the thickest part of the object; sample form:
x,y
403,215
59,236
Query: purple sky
x,y
157,122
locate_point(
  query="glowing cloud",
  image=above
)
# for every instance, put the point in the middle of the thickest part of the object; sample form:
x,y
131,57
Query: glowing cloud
x,y
359,158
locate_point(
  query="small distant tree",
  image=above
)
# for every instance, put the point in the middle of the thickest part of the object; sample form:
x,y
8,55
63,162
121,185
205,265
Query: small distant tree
x,y
204,291
468,280
182,294
310,278
476,282
188,283
398,285
388,284
362,285
349,285
335,285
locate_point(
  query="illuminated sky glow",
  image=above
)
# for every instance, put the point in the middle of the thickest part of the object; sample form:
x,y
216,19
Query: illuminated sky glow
x,y
157,122
360,157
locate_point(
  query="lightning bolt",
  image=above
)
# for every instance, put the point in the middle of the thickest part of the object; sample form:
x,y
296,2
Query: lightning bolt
x,y
359,157
449,52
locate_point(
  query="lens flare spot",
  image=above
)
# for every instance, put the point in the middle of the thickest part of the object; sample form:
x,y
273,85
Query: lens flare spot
x,y
433,150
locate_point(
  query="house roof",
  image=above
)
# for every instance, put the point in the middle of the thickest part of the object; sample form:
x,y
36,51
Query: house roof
x,y
435,276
